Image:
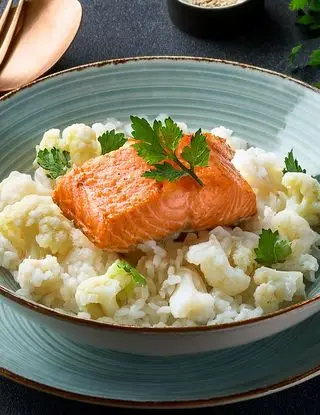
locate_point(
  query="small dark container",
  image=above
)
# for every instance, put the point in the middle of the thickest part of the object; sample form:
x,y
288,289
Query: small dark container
x,y
216,22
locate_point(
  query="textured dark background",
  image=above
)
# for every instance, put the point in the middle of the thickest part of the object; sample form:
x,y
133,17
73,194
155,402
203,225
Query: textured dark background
x,y
122,28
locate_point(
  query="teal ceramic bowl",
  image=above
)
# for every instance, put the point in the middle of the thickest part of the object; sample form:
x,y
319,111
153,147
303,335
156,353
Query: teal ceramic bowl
x,y
269,110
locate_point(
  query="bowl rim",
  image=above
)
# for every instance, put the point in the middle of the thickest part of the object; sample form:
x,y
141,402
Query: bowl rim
x,y
52,313
185,404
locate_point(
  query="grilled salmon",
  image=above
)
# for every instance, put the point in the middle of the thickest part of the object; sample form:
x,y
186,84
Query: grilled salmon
x,y
117,208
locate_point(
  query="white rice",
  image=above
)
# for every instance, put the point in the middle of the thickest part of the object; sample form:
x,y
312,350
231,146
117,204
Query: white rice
x,y
186,287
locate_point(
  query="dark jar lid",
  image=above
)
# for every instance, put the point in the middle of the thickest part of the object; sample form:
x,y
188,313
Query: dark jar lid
x,y
216,22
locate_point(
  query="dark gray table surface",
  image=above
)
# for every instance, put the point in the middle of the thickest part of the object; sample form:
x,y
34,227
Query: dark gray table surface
x,y
122,28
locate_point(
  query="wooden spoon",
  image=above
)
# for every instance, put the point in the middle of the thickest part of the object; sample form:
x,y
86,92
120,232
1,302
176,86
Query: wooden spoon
x,y
48,28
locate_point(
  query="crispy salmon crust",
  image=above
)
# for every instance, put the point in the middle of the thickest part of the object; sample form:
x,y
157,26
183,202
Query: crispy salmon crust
x,y
117,208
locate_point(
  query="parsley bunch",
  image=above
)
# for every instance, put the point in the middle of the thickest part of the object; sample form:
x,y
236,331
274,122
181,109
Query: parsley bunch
x,y
156,144
309,16
159,142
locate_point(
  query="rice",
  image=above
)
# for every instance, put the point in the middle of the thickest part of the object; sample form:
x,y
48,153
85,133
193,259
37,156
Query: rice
x,y
204,278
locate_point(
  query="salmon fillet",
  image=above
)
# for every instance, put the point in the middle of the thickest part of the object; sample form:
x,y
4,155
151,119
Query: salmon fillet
x,y
117,208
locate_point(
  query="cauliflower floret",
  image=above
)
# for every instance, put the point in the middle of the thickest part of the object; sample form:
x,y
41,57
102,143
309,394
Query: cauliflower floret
x,y
303,196
41,178
16,186
188,302
239,246
305,263
293,227
216,268
247,311
234,142
275,287
98,296
78,139
101,296
84,261
262,170
40,277
50,139
296,229
110,124
53,234
81,142
222,132
225,308
99,129
9,257
35,226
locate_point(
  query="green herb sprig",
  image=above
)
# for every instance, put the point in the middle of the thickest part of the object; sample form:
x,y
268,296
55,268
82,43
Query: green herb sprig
x,y
292,165
158,143
54,161
309,16
111,141
138,278
272,249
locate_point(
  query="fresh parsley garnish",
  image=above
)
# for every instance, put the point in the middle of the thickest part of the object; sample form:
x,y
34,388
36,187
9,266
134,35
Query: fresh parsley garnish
x,y
137,277
294,53
296,5
309,16
197,154
314,59
169,134
272,249
159,142
149,147
164,171
292,165
110,141
55,162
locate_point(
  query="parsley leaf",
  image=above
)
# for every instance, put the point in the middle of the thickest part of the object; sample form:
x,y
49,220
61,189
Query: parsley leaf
x,y
315,5
292,165
159,142
148,146
298,4
197,154
164,171
295,52
169,134
308,15
137,277
54,161
272,249
306,20
110,141
314,59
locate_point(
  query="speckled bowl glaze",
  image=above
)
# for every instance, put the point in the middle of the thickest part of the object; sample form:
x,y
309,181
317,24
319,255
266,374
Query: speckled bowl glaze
x,y
267,109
